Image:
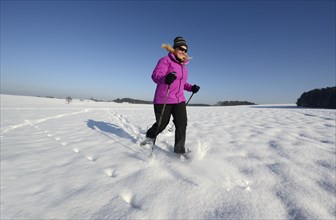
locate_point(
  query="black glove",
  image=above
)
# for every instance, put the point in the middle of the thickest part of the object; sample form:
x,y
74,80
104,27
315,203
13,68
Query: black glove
x,y
195,88
170,78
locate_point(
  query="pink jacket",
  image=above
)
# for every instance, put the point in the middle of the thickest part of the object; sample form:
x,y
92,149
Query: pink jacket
x,y
166,65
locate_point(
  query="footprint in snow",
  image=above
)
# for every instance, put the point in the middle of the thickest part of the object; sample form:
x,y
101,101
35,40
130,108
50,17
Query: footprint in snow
x,y
49,135
76,150
56,138
91,158
130,199
110,172
244,184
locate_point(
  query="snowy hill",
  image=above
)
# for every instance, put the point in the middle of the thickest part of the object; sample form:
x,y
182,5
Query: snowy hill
x,y
83,160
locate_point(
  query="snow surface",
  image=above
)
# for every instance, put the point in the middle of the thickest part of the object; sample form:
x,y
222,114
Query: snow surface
x,y
83,160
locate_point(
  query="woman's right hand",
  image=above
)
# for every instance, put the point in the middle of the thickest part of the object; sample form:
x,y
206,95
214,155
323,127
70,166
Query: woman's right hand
x,y
170,78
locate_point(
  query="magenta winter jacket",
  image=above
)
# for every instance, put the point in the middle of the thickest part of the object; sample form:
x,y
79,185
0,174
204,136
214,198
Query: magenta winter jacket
x,y
167,65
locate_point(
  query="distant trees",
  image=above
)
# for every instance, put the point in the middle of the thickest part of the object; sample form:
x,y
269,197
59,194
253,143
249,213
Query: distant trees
x,y
96,100
133,101
318,98
68,99
232,103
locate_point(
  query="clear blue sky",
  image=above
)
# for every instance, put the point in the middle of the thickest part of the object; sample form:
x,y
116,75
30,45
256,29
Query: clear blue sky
x,y
259,51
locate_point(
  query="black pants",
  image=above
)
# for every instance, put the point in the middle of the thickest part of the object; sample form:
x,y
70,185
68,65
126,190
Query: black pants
x,y
179,113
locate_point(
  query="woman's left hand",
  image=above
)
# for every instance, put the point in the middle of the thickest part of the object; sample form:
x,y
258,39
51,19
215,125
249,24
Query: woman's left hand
x,y
195,88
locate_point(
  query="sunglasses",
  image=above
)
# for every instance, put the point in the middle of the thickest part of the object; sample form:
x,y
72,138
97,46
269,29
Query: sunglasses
x,y
182,49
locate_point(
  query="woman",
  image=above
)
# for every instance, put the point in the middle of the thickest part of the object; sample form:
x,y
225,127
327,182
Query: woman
x,y
170,75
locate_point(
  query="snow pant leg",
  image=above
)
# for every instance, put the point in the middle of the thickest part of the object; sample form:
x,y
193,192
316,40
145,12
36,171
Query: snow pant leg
x,y
179,113
164,122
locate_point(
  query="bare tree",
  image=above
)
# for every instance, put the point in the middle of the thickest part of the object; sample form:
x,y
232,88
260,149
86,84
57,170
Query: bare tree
x,y
68,99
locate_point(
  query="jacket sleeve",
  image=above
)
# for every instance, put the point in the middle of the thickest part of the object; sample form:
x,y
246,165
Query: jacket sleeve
x,y
160,71
187,87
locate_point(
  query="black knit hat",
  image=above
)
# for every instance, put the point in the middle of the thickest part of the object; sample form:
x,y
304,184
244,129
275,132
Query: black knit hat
x,y
179,41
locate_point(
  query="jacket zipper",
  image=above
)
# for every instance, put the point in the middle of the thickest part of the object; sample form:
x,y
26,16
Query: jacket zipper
x,y
178,100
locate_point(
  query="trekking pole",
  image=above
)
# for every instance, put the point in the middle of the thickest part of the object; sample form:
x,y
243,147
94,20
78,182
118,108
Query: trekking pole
x,y
172,127
190,98
160,119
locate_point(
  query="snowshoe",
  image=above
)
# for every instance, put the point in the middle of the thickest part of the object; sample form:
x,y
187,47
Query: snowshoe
x,y
186,155
149,141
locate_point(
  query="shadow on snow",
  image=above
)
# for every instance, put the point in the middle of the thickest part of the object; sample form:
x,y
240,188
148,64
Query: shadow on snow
x,y
105,127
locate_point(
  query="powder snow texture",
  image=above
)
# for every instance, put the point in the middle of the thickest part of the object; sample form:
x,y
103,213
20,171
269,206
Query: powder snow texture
x,y
83,160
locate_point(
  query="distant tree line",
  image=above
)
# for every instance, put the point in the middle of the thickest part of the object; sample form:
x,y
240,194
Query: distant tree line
x,y
133,101
232,103
198,104
96,100
318,98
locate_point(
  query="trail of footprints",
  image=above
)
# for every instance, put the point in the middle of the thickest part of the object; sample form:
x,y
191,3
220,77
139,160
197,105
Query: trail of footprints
x,y
108,172
126,196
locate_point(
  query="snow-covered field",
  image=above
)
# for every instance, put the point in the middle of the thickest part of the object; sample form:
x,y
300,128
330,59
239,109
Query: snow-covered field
x,y
83,160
